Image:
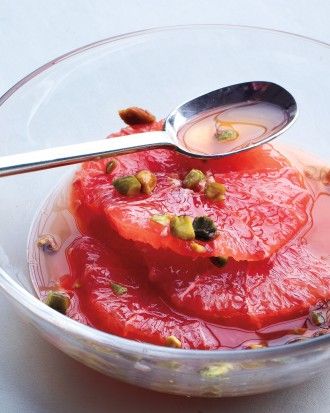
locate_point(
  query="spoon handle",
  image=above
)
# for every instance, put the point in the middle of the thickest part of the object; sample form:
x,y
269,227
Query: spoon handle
x,y
70,154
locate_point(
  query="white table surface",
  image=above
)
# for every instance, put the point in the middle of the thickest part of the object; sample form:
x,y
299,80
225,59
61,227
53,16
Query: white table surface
x,y
34,376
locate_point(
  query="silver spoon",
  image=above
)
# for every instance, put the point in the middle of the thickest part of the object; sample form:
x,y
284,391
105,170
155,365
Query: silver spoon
x,y
231,95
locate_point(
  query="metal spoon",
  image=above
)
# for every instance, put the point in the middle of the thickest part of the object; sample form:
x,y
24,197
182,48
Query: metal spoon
x,y
230,95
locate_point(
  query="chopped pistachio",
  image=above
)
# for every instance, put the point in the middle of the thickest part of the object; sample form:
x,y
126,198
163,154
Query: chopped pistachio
x,y
148,181
219,261
118,289
127,185
256,346
172,341
215,191
58,301
226,135
110,166
193,178
197,247
161,219
136,116
205,229
48,243
317,318
182,227
216,370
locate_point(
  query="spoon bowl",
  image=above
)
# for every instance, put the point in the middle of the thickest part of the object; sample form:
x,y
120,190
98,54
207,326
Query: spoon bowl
x,y
213,103
235,96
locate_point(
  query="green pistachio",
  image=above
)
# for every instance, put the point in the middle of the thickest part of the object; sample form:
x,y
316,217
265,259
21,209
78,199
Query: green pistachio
x,y
317,318
48,243
226,135
216,370
205,229
215,191
148,181
182,227
161,219
197,247
58,301
219,261
118,289
172,341
193,178
110,166
127,185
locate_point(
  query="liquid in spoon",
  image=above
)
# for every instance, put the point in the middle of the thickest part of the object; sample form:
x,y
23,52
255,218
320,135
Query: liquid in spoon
x,y
232,128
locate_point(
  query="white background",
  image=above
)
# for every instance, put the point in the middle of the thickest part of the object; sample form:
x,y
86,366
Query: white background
x,y
34,376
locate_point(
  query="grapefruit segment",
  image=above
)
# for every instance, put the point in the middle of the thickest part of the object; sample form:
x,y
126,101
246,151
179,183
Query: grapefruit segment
x,y
287,285
138,313
250,295
265,206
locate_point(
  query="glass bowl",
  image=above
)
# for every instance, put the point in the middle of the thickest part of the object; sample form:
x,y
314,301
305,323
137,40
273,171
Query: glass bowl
x,y
75,98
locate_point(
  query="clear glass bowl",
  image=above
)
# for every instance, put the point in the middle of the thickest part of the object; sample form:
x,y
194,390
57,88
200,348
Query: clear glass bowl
x,y
75,98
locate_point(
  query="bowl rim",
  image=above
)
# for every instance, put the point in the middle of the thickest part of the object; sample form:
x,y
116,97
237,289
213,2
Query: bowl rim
x,y
147,31
15,291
